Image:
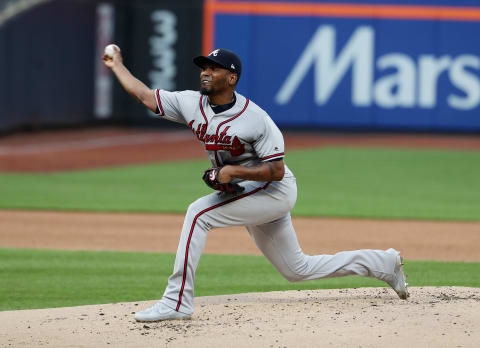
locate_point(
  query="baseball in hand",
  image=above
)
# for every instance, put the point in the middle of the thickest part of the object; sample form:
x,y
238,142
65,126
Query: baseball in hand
x,y
110,50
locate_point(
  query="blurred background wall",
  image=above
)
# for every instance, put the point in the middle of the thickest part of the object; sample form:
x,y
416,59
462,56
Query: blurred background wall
x,y
51,72
363,65
374,64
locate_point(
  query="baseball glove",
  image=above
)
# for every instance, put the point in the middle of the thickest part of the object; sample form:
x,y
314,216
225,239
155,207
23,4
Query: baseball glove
x,y
210,176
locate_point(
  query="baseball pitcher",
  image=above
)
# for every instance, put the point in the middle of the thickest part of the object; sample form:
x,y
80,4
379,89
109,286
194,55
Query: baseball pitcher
x,y
253,186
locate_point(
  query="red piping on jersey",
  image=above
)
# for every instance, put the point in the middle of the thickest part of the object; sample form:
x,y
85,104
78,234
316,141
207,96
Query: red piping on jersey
x,y
203,113
216,159
232,118
193,226
206,126
272,156
222,123
159,101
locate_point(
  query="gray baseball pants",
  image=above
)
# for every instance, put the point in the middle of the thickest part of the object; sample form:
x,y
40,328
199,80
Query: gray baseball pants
x,y
264,208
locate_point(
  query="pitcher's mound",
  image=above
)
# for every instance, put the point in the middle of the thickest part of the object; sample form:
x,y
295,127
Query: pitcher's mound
x,y
365,317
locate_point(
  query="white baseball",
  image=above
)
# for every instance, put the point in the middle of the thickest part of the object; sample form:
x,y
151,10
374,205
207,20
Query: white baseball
x,y
110,50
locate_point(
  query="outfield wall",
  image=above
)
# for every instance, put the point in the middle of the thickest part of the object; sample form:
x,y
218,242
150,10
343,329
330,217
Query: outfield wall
x,y
162,37
376,65
387,64
44,75
51,73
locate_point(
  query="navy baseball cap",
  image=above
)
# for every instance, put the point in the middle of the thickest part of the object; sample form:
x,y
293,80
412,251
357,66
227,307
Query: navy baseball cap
x,y
225,58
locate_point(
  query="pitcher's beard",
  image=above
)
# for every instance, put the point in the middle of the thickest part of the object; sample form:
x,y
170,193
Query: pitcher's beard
x,y
206,91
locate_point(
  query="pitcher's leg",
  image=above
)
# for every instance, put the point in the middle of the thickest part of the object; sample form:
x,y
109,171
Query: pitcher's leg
x,y
179,292
199,219
177,300
278,242
257,206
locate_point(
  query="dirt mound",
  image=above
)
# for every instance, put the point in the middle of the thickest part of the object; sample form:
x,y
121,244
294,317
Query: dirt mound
x,y
371,317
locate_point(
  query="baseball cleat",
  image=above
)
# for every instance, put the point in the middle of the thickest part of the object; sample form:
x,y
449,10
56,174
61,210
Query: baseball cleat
x,y
399,279
159,312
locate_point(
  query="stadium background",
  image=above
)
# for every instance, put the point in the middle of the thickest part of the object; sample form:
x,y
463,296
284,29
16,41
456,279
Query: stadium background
x,y
384,99
325,65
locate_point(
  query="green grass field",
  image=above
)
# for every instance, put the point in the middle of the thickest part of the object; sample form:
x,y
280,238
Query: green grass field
x,y
46,278
342,182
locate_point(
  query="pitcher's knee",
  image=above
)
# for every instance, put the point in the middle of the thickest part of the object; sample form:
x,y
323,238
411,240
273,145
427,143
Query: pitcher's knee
x,y
292,276
194,209
196,214
296,271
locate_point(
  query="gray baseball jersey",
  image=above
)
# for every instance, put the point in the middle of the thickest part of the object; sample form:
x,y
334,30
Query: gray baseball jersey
x,y
243,134
246,135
